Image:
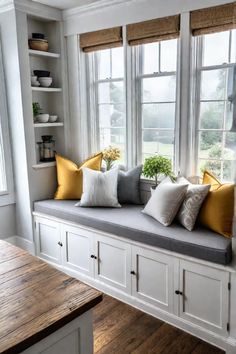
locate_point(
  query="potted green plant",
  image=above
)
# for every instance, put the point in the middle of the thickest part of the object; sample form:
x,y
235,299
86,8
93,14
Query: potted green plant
x,y
36,108
155,166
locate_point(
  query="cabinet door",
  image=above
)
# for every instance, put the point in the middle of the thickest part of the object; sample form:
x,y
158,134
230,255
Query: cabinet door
x,y
152,280
205,296
48,240
77,249
113,263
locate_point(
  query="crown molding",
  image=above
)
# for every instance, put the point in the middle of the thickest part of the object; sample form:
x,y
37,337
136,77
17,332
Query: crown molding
x,y
6,5
39,10
99,5
31,8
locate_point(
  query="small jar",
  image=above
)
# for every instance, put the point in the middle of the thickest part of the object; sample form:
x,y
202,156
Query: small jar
x,y
46,149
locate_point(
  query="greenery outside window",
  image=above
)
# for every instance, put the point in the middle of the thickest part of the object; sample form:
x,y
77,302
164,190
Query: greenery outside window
x,y
215,144
156,79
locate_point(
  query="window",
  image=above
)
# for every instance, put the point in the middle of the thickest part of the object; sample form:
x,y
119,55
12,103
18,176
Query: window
x,y
216,58
109,105
157,99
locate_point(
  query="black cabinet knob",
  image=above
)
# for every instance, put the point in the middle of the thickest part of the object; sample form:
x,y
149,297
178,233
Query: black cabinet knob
x,y
92,256
60,244
132,272
177,292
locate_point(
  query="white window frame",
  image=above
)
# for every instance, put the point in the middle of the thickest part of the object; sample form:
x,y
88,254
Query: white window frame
x,y
198,68
92,101
7,196
139,76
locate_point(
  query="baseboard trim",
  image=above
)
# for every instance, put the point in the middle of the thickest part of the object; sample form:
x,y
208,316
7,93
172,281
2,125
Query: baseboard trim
x,y
22,243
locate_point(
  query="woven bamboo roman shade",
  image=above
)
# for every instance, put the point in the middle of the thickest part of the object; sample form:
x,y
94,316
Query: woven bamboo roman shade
x,y
103,39
153,30
213,19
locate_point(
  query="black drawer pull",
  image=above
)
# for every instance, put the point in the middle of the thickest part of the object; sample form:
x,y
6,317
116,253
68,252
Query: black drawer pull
x,y
60,244
92,256
132,272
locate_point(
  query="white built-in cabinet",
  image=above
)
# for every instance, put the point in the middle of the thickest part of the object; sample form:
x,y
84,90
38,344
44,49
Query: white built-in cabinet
x,y
192,292
204,299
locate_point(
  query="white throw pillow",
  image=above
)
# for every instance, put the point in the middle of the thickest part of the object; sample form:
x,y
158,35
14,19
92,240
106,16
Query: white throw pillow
x,y
165,202
99,189
192,203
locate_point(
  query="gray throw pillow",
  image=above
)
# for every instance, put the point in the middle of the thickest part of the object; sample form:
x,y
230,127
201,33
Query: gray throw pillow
x,y
192,203
99,189
129,186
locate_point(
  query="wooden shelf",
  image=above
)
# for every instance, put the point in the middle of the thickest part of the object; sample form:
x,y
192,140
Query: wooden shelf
x,y
44,165
45,125
46,89
40,53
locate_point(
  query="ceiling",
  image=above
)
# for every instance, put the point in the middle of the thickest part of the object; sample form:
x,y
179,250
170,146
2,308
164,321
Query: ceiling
x,y
66,4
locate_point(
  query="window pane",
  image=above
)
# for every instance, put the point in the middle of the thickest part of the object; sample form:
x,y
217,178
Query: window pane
x,y
229,116
169,55
213,84
228,170
159,89
211,115
104,63
233,47
216,48
158,142
111,116
213,166
110,92
159,115
117,62
210,144
114,137
150,58
230,146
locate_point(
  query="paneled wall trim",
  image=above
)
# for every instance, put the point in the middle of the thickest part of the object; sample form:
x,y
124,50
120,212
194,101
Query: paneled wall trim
x,y
213,19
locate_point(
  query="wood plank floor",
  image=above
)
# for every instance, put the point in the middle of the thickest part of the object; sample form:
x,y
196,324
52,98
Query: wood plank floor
x,y
121,329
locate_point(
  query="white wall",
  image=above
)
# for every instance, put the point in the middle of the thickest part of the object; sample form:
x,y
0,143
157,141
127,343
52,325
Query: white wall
x,y
7,221
130,11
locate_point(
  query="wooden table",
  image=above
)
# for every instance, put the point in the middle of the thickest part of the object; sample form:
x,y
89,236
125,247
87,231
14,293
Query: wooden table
x,y
42,310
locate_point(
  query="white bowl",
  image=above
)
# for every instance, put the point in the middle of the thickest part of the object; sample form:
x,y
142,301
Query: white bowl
x,y
53,118
35,84
42,118
45,81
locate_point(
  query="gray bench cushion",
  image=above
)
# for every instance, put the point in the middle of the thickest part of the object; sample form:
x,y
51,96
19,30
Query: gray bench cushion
x,y
130,223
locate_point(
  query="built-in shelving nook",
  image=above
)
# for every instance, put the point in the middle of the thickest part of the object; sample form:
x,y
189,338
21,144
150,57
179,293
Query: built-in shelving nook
x,y
50,99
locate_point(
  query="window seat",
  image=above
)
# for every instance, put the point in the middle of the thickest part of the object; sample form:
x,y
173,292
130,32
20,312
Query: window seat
x,y
128,222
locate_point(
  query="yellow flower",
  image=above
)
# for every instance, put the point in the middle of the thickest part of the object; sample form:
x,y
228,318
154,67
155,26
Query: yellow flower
x,y
111,154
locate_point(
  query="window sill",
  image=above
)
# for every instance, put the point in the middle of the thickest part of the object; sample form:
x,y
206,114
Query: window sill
x,y
7,199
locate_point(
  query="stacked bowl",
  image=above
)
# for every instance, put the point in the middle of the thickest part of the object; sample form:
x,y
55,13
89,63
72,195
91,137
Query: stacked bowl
x,y
38,42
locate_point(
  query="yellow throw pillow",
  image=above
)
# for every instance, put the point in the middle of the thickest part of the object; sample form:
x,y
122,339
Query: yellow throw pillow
x,y
218,208
70,176
209,178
